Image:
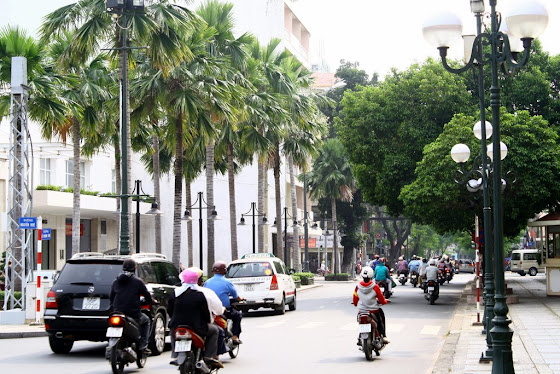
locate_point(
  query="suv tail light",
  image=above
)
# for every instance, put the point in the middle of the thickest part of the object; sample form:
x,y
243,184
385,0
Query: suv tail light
x,y
274,283
51,301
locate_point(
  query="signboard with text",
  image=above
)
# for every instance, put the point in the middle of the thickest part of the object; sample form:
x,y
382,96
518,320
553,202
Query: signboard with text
x,y
28,223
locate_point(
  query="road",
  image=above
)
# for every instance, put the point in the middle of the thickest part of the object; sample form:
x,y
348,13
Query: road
x,y
319,336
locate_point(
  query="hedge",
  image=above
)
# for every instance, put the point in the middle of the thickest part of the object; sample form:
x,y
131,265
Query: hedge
x,y
337,277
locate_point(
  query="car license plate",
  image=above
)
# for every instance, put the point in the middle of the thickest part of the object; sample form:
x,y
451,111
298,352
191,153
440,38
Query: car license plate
x,y
114,332
366,327
183,345
91,303
249,287
431,289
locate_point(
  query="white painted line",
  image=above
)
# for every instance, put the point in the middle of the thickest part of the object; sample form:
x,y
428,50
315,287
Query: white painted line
x,y
430,330
311,325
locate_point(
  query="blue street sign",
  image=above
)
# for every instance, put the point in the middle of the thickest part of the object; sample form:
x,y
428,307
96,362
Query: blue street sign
x,y
46,234
27,222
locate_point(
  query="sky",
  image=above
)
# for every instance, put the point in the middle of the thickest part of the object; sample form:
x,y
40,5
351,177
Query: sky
x,y
377,34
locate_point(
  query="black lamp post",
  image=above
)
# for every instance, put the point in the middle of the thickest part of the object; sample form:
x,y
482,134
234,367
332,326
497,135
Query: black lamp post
x,y
254,212
286,216
526,22
154,210
188,217
120,9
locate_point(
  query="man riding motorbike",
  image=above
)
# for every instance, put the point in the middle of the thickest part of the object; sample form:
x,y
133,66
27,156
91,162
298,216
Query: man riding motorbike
x,y
402,267
368,298
381,273
125,298
225,289
189,306
432,272
414,266
422,269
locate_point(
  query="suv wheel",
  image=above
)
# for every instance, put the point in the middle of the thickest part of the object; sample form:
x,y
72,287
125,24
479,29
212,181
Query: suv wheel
x,y
157,341
532,272
60,346
281,309
292,304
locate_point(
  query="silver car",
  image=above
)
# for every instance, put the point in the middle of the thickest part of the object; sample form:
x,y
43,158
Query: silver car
x,y
466,265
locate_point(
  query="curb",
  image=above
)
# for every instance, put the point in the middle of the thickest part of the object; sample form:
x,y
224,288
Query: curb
x,y
22,334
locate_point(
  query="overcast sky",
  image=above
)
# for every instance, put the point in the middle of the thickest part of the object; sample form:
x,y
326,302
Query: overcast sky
x,y
378,34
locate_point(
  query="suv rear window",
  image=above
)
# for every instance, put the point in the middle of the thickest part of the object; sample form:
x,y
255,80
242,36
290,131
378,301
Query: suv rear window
x,y
102,274
250,269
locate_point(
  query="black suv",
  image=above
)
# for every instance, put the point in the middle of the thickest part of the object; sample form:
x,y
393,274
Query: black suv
x,y
78,304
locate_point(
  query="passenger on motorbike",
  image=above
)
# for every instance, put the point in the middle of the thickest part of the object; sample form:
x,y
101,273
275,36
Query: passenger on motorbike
x,y
381,273
126,292
375,262
402,267
422,268
432,272
225,289
189,306
368,298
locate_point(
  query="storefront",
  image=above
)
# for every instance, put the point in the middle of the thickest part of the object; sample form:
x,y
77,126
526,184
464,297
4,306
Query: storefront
x,y
549,225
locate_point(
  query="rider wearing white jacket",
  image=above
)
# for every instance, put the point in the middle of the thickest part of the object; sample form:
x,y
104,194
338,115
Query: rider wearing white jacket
x,y
368,298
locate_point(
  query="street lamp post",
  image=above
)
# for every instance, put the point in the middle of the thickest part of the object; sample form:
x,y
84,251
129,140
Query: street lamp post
x,y
153,211
526,22
254,213
120,9
286,216
188,217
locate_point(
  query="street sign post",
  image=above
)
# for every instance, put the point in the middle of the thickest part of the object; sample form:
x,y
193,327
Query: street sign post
x,y
46,234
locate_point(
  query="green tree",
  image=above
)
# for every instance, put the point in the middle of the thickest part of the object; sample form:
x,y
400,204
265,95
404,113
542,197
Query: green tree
x,y
533,159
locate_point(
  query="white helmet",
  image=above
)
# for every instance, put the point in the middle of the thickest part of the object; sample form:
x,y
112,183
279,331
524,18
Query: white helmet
x,y
432,262
366,272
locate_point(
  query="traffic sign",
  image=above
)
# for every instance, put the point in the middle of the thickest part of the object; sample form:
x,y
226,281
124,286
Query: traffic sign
x,y
46,234
27,222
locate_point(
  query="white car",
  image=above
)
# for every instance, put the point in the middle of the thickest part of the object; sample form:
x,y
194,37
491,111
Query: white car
x,y
263,281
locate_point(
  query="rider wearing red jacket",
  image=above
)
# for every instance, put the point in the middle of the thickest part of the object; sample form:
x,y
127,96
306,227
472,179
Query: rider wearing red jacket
x,y
368,298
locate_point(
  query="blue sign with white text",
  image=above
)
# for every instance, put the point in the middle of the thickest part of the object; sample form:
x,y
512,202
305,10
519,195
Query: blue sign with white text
x,y
46,234
27,222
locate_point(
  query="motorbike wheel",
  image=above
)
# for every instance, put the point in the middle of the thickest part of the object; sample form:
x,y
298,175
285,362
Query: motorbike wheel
x,y
367,346
432,299
188,367
141,359
117,363
157,340
234,351
415,284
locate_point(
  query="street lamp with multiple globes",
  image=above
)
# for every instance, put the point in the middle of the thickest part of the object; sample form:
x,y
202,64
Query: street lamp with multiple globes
x,y
492,47
153,211
254,212
188,217
287,261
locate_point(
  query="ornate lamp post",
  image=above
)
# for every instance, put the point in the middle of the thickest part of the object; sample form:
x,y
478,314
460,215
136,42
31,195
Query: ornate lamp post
x,y
526,22
153,211
254,212
187,217
295,223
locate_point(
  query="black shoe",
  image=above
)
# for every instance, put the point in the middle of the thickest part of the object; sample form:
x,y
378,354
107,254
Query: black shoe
x,y
359,343
213,362
146,352
174,362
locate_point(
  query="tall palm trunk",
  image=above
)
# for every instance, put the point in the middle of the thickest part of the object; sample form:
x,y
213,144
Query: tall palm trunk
x,y
210,203
232,207
279,252
178,171
260,204
157,192
76,185
335,238
188,202
296,252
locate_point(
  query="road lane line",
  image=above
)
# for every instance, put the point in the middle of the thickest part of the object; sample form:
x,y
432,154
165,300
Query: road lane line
x,y
430,330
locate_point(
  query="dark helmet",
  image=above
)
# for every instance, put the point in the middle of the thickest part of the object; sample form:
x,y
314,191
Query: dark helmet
x,y
129,265
219,267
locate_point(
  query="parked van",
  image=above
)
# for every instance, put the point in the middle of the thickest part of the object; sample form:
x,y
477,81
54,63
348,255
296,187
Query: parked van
x,y
525,261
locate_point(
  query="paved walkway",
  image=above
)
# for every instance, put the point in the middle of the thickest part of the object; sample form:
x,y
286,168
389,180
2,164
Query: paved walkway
x,y
536,338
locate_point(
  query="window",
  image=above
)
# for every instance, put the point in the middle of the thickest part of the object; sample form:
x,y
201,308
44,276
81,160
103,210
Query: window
x,y
279,268
70,173
531,256
113,181
45,171
166,273
516,256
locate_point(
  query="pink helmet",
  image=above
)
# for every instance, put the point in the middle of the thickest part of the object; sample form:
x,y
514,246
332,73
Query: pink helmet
x,y
189,276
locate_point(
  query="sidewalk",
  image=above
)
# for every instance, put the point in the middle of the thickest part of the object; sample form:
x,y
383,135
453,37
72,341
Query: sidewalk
x,y
536,338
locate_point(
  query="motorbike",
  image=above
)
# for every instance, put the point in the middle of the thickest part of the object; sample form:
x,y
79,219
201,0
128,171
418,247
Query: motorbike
x,y
385,288
229,346
432,291
414,278
402,278
370,338
124,343
448,275
441,277
189,347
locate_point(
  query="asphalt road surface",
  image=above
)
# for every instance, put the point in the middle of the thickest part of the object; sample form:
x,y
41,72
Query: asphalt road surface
x,y
320,336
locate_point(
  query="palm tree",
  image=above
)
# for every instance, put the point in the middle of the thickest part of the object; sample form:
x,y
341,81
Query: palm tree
x,y
331,177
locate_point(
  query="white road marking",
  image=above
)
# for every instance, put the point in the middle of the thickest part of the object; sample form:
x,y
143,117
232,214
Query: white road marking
x,y
430,330
270,324
311,325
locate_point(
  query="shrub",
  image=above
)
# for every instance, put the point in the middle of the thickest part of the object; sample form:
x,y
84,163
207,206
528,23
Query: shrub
x,y
86,192
17,294
337,277
296,278
48,187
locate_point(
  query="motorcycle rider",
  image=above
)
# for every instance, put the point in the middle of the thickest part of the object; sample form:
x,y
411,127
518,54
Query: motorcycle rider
x,y
125,298
414,266
422,270
368,298
375,262
381,273
402,267
432,272
189,306
225,289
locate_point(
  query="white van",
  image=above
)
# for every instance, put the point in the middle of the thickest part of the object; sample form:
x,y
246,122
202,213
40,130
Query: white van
x,y
525,261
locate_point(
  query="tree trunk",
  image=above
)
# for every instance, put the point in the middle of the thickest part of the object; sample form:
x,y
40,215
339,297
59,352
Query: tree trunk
x,y
210,203
278,198
188,202
260,204
76,185
157,192
178,171
232,207
296,251
335,238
